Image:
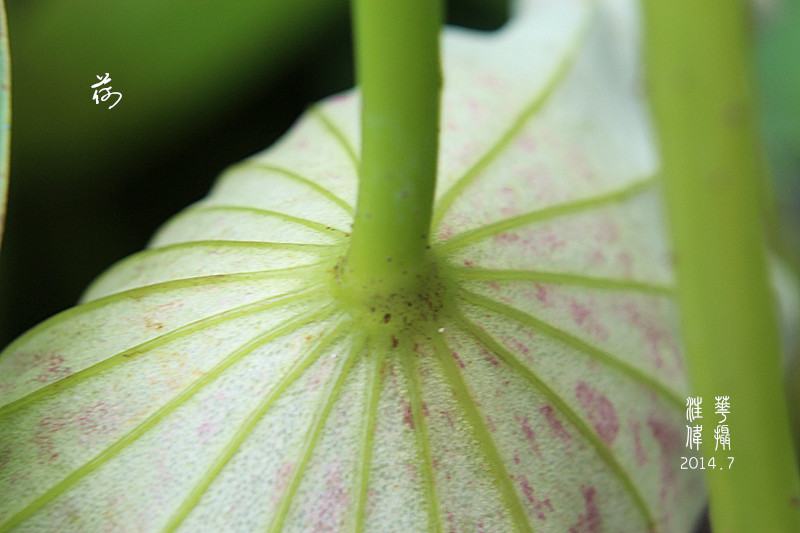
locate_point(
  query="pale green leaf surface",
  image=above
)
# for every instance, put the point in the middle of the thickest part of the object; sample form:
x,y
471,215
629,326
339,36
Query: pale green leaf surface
x,y
215,383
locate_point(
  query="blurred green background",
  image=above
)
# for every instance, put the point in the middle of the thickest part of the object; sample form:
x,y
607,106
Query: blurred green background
x,y
204,85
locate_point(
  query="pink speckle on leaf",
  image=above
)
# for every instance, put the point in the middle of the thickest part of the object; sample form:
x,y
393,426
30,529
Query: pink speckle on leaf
x,y
590,521
669,440
538,505
579,312
408,418
54,370
656,336
542,294
282,479
335,503
583,317
641,457
606,230
519,348
206,431
87,422
506,237
554,423
553,240
624,259
597,257
599,410
526,144
530,436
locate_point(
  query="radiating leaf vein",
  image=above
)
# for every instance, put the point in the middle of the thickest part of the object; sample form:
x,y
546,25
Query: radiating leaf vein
x,y
483,436
315,432
202,208
567,338
128,354
285,328
143,291
338,134
294,176
536,104
487,274
407,360
374,385
547,213
605,454
250,423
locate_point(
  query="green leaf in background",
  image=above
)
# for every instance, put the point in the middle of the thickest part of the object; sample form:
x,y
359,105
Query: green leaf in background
x,y
5,114
221,381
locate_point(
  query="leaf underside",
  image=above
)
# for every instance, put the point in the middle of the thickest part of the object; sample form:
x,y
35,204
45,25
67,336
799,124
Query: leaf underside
x,y
214,383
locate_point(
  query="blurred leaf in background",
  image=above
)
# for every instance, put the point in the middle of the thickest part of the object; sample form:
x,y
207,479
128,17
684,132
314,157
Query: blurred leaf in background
x,y
203,84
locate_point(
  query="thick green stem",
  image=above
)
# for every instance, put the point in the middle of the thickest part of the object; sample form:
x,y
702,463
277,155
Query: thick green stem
x,y
399,74
700,88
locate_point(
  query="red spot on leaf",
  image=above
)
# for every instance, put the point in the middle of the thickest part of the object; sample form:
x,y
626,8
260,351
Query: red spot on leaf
x,y
599,410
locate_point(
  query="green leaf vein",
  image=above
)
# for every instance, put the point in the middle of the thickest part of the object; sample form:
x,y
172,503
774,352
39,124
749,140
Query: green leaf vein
x,y
482,434
567,338
536,104
603,451
200,487
315,432
547,213
287,327
407,360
